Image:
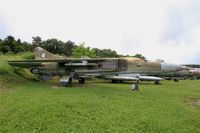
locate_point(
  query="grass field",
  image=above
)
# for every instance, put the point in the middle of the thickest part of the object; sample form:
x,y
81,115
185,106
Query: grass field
x,y
101,107
27,105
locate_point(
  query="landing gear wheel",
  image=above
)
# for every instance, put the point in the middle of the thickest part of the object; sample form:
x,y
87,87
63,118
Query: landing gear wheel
x,y
67,84
175,80
114,81
121,81
156,82
81,81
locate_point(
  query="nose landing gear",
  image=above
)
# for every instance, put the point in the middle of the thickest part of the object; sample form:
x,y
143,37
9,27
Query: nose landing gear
x,y
66,81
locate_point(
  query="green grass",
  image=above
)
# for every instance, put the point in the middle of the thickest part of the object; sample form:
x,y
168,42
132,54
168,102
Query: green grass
x,y
101,107
33,106
10,76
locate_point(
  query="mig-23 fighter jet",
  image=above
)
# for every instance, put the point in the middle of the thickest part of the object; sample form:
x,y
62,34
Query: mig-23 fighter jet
x,y
46,65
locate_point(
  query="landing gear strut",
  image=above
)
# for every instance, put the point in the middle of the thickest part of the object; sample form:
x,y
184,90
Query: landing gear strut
x,y
157,82
67,82
114,81
117,81
81,81
175,80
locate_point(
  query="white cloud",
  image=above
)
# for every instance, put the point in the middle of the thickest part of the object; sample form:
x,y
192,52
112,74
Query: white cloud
x,y
4,29
167,29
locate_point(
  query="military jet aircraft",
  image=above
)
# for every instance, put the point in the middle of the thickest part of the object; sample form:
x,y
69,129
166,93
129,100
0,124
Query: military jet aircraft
x,y
47,65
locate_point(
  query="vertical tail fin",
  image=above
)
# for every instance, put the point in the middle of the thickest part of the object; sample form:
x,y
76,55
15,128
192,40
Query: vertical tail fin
x,y
41,54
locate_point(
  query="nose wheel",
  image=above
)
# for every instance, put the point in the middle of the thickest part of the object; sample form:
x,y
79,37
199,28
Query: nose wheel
x,y
67,82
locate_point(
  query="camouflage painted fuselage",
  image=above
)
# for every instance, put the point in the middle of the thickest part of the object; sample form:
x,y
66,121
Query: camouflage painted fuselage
x,y
47,65
100,67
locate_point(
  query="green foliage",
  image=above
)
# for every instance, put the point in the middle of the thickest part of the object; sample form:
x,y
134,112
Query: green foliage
x,y
105,53
9,71
54,46
68,48
9,44
37,41
4,68
81,51
100,107
140,56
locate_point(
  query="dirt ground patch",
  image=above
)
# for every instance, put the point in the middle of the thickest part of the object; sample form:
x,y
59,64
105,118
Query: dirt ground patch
x,y
3,90
193,101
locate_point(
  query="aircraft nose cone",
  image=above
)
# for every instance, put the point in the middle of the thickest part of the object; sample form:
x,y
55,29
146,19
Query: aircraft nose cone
x,y
183,68
166,67
195,71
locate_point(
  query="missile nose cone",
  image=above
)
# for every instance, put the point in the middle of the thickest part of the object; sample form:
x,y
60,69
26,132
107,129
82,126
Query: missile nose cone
x,y
166,67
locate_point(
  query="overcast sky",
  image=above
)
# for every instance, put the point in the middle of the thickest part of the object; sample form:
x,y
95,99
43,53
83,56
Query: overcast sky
x,y
158,29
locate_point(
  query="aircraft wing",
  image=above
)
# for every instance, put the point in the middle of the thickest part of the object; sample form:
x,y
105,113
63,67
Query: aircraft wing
x,y
64,62
24,64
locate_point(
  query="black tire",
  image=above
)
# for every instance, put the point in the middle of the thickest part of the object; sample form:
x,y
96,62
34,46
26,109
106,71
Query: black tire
x,y
81,81
157,82
114,81
67,84
176,80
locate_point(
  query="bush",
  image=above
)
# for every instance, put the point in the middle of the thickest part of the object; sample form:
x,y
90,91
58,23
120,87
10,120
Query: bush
x,y
8,72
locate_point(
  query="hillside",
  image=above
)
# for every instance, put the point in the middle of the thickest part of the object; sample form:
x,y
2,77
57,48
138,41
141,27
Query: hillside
x,y
9,75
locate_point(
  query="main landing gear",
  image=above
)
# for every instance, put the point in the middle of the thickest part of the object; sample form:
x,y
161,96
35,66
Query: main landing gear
x,y
176,80
117,81
67,81
81,81
157,82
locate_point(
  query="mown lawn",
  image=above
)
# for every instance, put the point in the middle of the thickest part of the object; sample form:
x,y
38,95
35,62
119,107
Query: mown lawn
x,y
101,107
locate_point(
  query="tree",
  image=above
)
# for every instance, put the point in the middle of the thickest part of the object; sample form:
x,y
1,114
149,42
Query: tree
x,y
105,53
140,56
109,53
54,46
98,52
28,46
5,49
81,51
68,48
37,41
19,46
10,42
